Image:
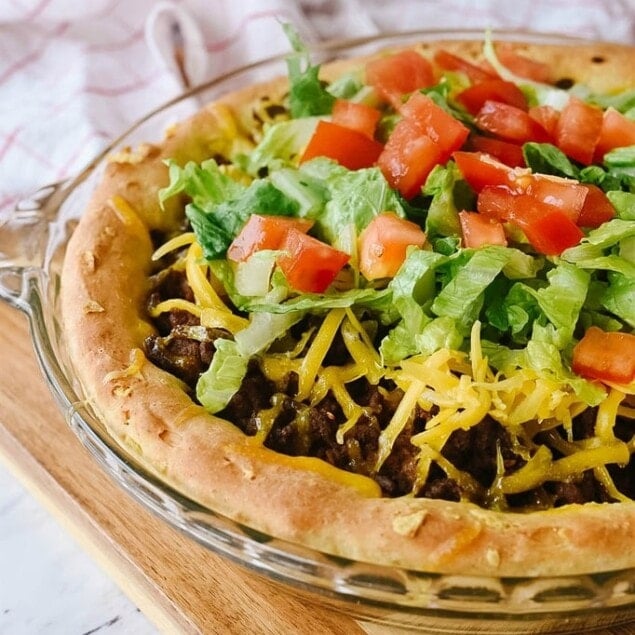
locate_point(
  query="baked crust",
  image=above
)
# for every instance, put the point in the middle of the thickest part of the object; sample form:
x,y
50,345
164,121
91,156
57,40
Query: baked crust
x,y
148,412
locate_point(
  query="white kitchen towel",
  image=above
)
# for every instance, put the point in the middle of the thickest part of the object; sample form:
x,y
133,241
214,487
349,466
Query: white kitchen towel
x,y
75,75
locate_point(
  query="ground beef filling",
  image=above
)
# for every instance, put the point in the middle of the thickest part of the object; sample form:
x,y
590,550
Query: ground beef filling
x,y
185,349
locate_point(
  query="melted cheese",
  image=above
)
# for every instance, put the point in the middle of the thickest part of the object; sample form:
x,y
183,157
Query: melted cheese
x,y
318,350
362,484
460,389
137,360
197,278
175,304
541,467
126,214
182,240
404,411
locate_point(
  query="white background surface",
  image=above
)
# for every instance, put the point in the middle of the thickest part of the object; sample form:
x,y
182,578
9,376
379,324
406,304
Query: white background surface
x,y
48,585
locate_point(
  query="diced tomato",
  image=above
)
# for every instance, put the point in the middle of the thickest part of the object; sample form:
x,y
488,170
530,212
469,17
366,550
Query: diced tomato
x,y
549,230
480,170
498,90
356,116
496,201
264,232
427,135
597,208
438,124
510,154
578,130
383,244
566,195
408,157
521,65
547,117
451,62
509,122
399,74
479,230
309,264
348,147
617,131
605,356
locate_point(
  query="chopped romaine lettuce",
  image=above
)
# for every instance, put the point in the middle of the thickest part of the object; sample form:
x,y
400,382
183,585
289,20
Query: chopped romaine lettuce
x,y
355,198
217,224
203,183
281,145
220,382
462,298
624,204
450,193
307,94
545,158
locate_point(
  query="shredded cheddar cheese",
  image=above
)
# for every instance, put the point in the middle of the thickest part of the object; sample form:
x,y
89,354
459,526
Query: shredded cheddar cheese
x,y
197,276
183,240
453,389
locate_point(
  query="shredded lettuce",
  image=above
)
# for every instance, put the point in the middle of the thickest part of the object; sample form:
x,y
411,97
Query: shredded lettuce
x,y
449,193
545,158
204,183
217,224
624,204
222,380
378,300
355,198
623,101
307,94
462,298
412,287
562,299
441,94
282,144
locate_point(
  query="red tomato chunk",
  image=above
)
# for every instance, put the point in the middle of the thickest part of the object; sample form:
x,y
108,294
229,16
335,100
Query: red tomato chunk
x,y
498,90
451,62
309,264
355,116
549,230
564,194
597,208
617,131
605,356
350,148
400,74
509,123
521,65
481,170
578,130
479,230
264,232
510,154
383,245
427,135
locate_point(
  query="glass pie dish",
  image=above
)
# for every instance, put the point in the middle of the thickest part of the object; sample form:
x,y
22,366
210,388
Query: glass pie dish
x,y
32,244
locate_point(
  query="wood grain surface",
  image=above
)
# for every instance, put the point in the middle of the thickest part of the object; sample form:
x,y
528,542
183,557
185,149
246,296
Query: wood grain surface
x,y
179,585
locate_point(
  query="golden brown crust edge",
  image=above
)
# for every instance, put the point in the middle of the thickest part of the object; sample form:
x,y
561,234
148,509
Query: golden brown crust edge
x,y
147,412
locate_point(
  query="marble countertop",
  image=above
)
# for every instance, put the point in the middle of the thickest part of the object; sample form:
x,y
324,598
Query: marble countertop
x,y
48,584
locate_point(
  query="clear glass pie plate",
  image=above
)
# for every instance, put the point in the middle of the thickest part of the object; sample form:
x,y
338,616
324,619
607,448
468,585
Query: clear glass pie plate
x,y
32,244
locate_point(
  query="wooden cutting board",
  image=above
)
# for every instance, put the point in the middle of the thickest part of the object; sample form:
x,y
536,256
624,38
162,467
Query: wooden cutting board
x,y
179,585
